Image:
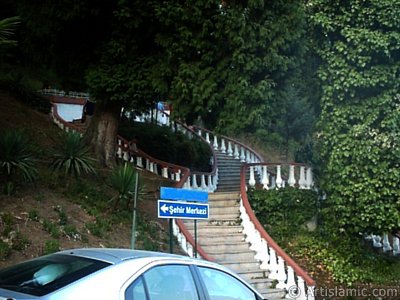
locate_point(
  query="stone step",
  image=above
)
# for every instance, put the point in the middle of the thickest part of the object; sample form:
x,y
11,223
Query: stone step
x,y
239,266
242,260
205,227
220,238
224,196
223,202
224,248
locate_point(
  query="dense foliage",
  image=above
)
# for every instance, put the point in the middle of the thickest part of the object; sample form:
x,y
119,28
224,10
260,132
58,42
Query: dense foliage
x,y
359,42
285,213
155,140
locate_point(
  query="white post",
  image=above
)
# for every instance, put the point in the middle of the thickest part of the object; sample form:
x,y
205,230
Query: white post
x,y
386,243
279,181
165,172
194,182
242,155
291,281
281,274
302,179
309,179
203,182
230,150
223,147
291,180
396,246
207,137
236,152
264,179
252,181
215,144
273,264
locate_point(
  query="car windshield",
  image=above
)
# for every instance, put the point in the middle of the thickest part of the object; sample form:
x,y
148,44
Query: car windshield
x,y
44,275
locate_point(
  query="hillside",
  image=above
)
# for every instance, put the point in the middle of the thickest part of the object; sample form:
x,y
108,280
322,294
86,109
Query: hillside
x,y
47,216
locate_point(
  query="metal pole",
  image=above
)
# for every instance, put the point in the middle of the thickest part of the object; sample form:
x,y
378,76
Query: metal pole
x,y
195,238
170,237
133,237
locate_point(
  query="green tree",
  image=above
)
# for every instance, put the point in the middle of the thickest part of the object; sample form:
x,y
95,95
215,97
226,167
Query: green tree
x,y
359,42
231,59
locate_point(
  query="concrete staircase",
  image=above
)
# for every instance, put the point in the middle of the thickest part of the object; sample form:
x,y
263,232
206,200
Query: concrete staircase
x,y
221,235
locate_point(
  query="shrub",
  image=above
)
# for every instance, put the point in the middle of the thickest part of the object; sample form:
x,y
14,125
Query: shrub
x,y
51,246
284,212
5,250
123,179
72,156
16,158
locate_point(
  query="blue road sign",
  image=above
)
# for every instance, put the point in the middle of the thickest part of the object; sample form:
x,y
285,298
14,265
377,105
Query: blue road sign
x,y
182,210
183,195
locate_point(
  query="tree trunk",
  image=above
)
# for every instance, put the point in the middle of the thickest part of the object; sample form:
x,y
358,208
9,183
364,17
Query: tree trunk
x,y
103,130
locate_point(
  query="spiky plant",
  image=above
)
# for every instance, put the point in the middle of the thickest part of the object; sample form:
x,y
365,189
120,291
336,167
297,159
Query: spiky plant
x,y
16,158
72,157
123,179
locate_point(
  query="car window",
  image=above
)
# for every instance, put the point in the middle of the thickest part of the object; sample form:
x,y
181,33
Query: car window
x,y
222,286
44,275
168,282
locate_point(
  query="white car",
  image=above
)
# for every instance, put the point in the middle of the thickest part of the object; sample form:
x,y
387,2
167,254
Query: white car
x,y
121,274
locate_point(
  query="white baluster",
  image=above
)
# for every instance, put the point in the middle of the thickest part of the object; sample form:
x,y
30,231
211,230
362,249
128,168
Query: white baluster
x,y
309,179
396,246
291,180
210,184
302,179
302,289
242,155
208,137
147,164
215,144
281,274
119,151
223,147
165,172
273,264
139,162
279,181
178,176
264,180
248,159
386,243
252,181
199,132
230,150
291,281
236,152
132,160
194,182
377,241
203,182
265,256
187,183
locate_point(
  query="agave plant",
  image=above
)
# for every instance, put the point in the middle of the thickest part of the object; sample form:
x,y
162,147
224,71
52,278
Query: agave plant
x,y
16,157
123,180
72,156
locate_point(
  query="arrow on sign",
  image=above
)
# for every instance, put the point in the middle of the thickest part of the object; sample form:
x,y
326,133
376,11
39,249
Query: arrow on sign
x,y
164,208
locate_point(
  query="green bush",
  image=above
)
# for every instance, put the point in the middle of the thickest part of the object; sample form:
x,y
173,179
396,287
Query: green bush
x,y
284,212
51,246
72,156
16,158
5,250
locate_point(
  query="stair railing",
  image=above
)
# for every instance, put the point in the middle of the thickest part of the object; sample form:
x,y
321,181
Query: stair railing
x,y
61,123
388,243
289,275
229,146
